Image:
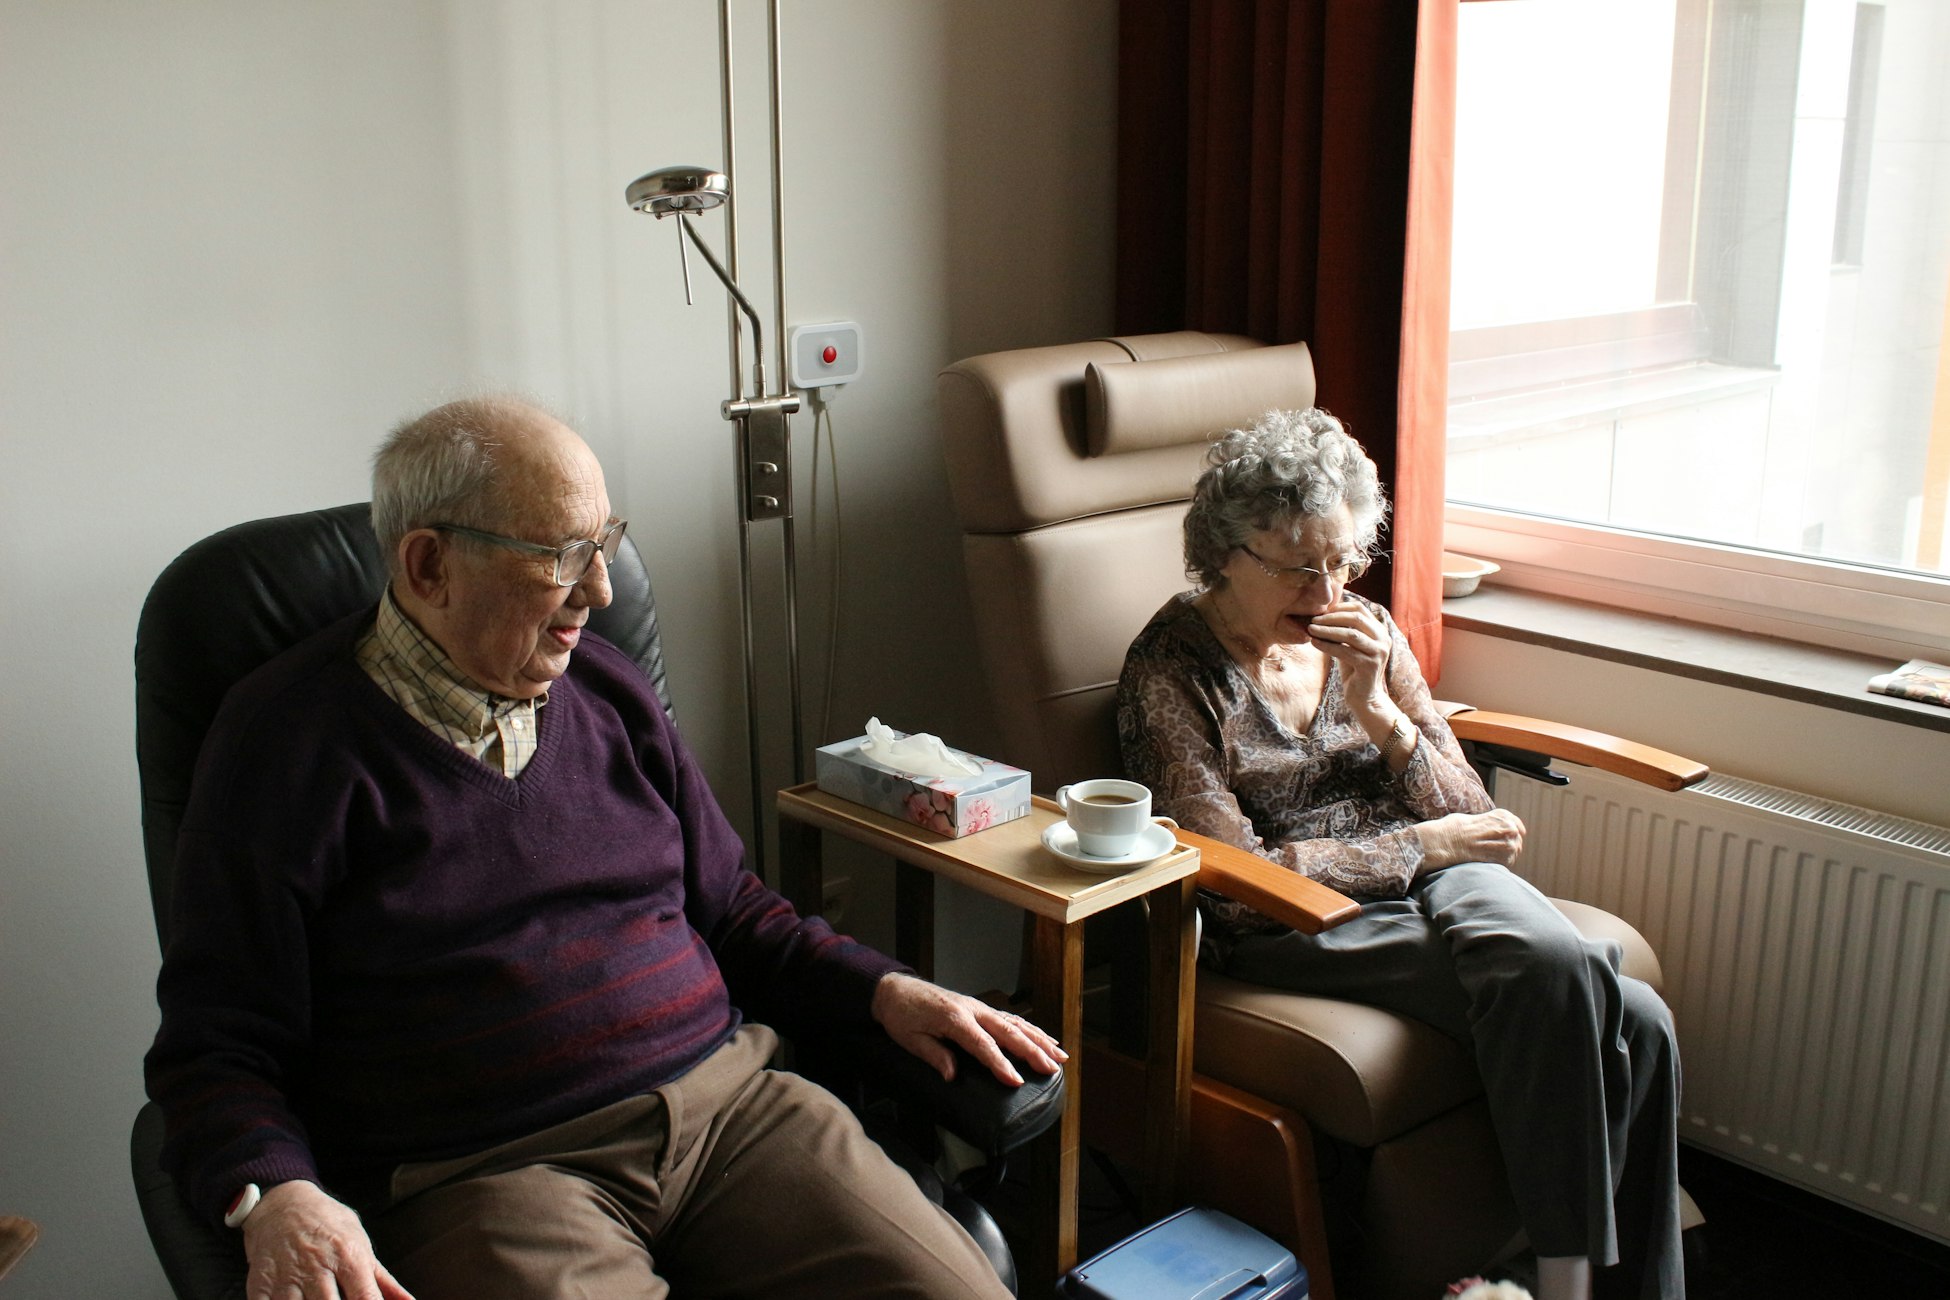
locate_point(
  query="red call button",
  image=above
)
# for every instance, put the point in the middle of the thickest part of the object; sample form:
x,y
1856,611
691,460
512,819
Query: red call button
x,y
830,355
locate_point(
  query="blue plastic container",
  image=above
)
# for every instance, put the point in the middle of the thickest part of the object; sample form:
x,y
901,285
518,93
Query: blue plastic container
x,y
1196,1254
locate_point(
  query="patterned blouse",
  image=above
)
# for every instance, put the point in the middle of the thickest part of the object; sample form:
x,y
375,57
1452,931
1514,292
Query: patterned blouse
x,y
1194,728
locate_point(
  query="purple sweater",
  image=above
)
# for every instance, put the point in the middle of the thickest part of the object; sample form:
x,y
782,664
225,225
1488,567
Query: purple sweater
x,y
383,951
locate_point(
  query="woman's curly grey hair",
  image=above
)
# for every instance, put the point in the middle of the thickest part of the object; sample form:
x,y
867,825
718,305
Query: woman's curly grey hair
x,y
440,468
1288,467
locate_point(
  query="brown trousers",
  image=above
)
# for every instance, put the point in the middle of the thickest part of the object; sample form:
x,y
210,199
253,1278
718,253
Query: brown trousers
x,y
733,1180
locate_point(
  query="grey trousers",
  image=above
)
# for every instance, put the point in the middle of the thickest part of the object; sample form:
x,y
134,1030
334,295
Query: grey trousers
x,y
733,1180
1580,1067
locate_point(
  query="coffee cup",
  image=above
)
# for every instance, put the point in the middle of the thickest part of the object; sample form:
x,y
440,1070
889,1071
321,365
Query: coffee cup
x,y
1107,815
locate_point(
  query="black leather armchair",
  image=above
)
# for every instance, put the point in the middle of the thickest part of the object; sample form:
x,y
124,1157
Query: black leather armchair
x,y
240,597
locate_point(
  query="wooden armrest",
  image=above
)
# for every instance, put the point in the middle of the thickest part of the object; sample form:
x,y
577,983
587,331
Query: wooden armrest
x,y
16,1236
1577,745
1287,897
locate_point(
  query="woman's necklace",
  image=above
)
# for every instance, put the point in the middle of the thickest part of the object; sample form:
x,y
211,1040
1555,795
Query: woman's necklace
x,y
1274,659
1293,697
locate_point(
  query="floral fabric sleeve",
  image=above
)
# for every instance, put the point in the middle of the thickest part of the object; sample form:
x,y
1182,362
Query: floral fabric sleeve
x,y
1172,742
1322,804
1438,779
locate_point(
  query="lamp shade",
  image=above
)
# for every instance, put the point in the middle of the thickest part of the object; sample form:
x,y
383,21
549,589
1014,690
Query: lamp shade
x,y
678,189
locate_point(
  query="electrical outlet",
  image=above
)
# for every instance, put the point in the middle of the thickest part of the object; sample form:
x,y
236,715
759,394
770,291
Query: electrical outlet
x,y
836,900
823,356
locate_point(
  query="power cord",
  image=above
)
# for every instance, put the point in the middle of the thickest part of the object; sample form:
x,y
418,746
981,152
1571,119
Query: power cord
x,y
822,405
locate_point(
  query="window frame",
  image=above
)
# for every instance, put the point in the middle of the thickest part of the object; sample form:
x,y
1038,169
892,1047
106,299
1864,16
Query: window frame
x,y
1862,608
1865,608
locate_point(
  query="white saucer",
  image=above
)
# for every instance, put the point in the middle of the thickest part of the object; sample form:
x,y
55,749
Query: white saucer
x,y
1153,842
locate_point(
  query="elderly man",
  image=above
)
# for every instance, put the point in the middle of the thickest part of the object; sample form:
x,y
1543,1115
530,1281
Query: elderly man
x,y
464,949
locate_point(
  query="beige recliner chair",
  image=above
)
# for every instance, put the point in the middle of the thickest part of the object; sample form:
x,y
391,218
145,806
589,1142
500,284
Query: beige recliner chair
x,y
1070,468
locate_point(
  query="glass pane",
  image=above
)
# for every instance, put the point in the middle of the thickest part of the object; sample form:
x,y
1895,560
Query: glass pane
x,y
1569,193
1702,268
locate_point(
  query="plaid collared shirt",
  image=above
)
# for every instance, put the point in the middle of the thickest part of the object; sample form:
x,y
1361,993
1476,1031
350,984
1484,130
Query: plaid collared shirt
x,y
420,678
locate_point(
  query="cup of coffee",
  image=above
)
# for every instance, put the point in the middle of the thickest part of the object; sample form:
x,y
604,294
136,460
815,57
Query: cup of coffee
x,y
1107,814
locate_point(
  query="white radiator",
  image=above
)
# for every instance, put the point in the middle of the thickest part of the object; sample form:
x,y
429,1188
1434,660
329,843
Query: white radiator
x,y
1806,947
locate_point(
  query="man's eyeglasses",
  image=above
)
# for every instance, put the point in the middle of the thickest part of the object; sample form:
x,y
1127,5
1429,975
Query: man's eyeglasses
x,y
1301,575
571,561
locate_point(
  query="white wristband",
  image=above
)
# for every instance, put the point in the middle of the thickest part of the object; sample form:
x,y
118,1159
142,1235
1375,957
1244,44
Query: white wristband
x,y
240,1209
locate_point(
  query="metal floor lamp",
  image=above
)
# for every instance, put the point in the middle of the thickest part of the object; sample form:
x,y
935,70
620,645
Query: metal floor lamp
x,y
763,419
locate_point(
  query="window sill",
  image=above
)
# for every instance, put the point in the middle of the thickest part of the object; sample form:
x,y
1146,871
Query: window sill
x,y
1790,670
1541,413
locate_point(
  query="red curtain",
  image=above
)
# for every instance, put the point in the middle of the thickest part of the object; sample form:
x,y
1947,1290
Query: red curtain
x,y
1284,171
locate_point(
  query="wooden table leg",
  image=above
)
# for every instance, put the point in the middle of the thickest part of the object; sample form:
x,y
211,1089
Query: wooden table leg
x,y
802,871
1168,1073
1054,1158
914,918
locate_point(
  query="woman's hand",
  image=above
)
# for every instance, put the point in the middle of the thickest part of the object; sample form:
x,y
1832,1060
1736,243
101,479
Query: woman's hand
x,y
1493,836
1355,638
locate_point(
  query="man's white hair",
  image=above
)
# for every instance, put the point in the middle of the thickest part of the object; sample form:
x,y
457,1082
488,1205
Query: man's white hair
x,y
440,468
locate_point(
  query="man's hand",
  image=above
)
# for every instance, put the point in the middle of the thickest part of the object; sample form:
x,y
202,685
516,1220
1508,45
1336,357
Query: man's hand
x,y
922,1017
303,1245
1494,836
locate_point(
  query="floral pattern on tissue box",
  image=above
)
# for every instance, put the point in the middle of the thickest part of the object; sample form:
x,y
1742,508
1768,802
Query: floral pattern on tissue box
x,y
953,806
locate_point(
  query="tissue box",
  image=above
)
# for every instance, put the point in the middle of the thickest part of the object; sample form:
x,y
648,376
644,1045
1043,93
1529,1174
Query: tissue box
x,y
952,806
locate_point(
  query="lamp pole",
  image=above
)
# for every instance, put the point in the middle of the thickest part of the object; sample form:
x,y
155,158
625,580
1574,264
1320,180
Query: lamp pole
x,y
763,420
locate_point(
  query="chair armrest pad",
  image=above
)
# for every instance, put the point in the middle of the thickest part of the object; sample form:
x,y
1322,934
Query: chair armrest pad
x,y
976,1107
199,1259
1285,896
1626,758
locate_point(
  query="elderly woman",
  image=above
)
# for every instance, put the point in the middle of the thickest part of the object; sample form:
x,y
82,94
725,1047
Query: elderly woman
x,y
1275,710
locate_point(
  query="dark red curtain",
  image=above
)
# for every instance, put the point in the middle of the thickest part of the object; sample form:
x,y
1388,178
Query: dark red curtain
x,y
1284,172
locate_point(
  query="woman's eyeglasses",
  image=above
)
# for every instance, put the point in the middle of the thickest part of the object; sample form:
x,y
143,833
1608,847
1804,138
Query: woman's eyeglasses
x,y
1302,575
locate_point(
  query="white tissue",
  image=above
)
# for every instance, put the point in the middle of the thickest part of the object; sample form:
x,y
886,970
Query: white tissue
x,y
919,755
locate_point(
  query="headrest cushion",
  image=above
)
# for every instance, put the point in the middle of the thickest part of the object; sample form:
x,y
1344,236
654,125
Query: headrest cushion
x,y
1139,405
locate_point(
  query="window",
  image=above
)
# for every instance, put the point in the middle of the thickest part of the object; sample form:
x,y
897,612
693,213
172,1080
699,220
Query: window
x,y
1701,273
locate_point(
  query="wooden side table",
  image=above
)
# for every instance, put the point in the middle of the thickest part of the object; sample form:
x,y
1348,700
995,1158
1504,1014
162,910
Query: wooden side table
x,y
1008,862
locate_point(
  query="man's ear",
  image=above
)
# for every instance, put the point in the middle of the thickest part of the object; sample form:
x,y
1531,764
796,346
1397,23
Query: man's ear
x,y
423,566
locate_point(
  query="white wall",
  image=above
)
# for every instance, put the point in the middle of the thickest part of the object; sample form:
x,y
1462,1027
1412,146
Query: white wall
x,y
239,239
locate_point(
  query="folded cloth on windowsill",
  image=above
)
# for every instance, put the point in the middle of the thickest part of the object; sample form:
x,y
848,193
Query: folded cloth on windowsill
x,y
1919,679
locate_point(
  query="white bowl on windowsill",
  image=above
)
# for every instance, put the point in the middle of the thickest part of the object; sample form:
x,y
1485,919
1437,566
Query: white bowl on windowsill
x,y
1461,573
